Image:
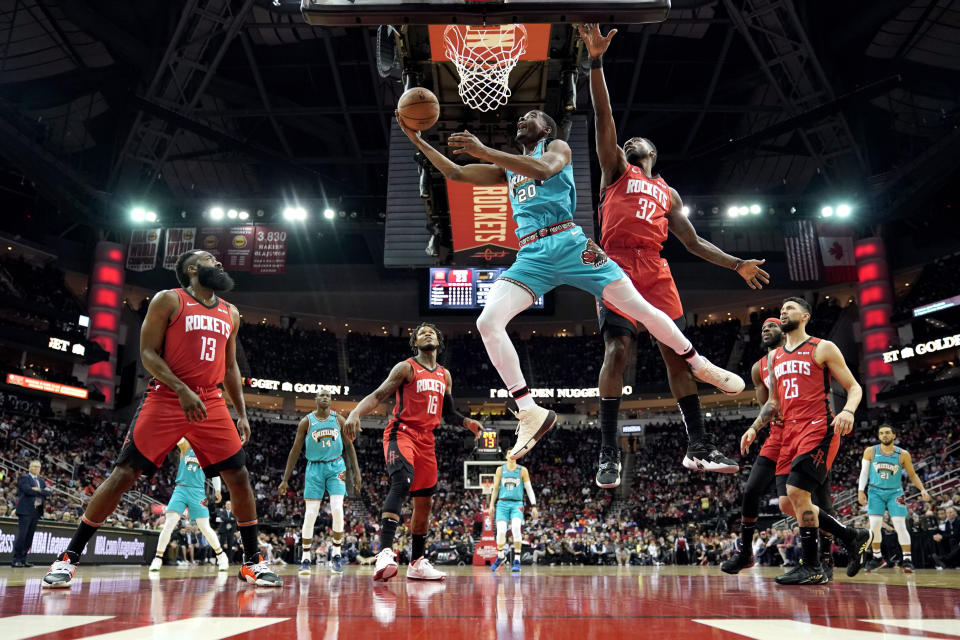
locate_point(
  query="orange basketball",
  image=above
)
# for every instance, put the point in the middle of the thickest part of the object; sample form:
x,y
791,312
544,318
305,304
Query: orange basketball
x,y
419,108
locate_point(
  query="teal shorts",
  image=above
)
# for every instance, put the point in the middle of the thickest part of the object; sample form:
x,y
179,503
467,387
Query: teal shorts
x,y
191,498
508,510
880,500
549,262
329,477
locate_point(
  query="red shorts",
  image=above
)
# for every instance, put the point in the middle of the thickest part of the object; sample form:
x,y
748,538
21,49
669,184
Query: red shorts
x,y
651,276
771,446
160,423
411,451
807,453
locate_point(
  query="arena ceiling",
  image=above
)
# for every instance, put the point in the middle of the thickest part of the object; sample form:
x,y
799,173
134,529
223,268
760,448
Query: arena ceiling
x,y
103,102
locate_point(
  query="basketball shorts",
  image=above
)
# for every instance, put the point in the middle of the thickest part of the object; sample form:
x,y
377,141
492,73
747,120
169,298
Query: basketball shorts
x,y
325,477
549,262
160,423
508,510
413,452
807,453
189,501
880,500
651,276
771,446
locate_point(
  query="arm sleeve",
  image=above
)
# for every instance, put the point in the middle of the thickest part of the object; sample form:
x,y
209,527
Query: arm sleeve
x,y
864,474
450,414
215,481
530,494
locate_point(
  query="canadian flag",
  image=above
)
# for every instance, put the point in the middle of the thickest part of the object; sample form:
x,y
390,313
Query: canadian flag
x,y
836,251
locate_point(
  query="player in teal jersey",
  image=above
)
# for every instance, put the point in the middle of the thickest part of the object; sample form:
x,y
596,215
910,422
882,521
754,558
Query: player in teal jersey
x,y
506,502
321,432
881,476
189,499
553,251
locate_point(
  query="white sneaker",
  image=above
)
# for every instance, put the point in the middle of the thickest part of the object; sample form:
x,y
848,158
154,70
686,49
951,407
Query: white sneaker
x,y
223,562
156,564
534,424
386,565
384,604
421,569
724,380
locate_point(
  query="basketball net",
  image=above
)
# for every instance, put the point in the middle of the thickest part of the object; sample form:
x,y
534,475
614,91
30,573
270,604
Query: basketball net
x,y
484,57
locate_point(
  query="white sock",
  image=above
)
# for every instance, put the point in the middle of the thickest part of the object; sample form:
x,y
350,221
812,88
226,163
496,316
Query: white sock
x,y
526,402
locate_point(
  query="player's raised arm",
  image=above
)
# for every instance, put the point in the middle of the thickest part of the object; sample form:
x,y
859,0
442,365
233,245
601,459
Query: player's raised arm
x,y
481,175
452,416
613,162
401,373
680,226
907,463
349,452
294,453
554,158
829,355
232,383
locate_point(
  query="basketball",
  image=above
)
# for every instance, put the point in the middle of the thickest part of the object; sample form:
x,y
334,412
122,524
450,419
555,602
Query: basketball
x,y
419,108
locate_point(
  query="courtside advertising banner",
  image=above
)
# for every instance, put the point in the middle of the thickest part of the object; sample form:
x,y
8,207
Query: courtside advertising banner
x,y
481,223
109,545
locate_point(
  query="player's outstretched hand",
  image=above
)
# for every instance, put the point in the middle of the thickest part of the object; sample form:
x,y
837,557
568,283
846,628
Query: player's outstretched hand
x,y
192,405
843,423
862,498
351,427
465,142
217,497
282,489
596,42
925,496
747,439
413,134
754,276
474,426
243,426
357,483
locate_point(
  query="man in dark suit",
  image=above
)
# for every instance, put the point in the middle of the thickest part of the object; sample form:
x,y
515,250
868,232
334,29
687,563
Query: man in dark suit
x,y
31,492
949,539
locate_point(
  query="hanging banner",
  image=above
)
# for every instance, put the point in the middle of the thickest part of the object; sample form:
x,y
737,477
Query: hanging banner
x,y
836,250
233,246
142,252
482,225
269,250
179,239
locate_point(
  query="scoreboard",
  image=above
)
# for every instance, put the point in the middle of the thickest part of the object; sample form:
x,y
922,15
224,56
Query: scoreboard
x,y
489,441
463,287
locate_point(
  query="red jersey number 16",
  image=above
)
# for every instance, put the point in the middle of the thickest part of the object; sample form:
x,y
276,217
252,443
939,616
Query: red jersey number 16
x,y
433,405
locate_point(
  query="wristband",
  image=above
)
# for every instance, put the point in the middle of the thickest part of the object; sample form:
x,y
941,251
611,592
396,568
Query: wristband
x,y
596,63
848,411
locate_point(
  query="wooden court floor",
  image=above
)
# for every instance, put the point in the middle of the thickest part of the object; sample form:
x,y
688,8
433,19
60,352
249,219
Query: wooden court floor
x,y
549,603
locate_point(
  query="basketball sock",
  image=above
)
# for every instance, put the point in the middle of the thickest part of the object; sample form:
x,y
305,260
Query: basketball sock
x,y
307,543
388,529
82,535
499,550
692,417
337,541
523,398
249,539
810,546
609,407
747,529
417,546
907,555
829,524
826,542
694,359
876,554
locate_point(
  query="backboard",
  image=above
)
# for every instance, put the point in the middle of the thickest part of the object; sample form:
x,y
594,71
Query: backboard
x,y
481,12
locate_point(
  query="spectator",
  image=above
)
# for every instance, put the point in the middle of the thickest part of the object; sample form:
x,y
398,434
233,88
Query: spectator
x,y
32,491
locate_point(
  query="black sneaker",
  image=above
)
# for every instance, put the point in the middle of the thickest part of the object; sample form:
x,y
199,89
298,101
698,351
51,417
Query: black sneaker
x,y
803,574
857,550
907,565
703,456
737,562
827,570
873,564
608,473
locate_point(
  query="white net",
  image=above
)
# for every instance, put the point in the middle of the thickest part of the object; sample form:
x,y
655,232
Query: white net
x,y
484,57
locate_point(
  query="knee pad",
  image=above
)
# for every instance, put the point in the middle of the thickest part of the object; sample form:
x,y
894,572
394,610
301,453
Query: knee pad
x,y
515,529
336,512
757,482
900,524
501,532
400,481
310,515
875,522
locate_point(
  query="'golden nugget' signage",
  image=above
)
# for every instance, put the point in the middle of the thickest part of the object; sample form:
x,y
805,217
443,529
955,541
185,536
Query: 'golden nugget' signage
x,y
295,387
922,348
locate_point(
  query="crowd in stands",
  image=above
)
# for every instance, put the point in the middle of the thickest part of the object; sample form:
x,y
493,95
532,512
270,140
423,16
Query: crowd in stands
x,y
289,354
937,281
43,286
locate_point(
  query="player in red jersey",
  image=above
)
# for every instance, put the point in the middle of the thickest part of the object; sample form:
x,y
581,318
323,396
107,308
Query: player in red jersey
x,y
637,209
424,396
188,342
800,372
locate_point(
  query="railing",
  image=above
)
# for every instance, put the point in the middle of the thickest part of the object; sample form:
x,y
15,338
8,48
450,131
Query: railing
x,y
37,453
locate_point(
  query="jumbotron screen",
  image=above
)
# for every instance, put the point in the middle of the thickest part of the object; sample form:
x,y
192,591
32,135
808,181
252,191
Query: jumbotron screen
x,y
463,287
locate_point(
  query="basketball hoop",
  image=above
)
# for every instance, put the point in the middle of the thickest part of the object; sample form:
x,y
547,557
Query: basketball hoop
x,y
486,483
484,57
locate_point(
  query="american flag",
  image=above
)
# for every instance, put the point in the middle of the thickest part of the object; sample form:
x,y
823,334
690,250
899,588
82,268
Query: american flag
x,y
803,261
